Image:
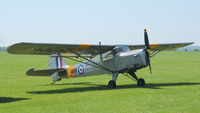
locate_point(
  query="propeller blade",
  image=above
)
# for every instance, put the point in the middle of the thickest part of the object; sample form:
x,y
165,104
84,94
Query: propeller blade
x,y
146,40
148,60
147,49
150,67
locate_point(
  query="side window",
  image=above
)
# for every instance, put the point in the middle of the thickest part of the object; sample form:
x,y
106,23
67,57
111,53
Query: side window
x,y
107,56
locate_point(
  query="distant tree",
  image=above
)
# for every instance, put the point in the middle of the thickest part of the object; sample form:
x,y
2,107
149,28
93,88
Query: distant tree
x,y
196,49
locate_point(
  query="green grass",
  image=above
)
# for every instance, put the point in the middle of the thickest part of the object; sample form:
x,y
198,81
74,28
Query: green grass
x,y
173,87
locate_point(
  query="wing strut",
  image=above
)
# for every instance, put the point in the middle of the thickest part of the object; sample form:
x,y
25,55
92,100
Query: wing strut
x,y
100,66
94,64
154,53
81,62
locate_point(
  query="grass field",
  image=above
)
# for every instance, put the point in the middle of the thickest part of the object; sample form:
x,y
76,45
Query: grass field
x,y
173,87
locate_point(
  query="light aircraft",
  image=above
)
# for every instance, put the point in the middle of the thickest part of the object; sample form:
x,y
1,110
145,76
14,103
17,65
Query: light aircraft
x,y
98,59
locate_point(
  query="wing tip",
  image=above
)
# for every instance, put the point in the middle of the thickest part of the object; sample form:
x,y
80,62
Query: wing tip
x,y
12,49
191,42
188,43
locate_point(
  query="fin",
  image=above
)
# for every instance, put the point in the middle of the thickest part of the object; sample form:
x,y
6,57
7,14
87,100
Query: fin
x,y
57,62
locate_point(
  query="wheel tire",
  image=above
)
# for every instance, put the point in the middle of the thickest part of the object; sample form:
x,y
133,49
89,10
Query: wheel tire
x,y
112,84
141,82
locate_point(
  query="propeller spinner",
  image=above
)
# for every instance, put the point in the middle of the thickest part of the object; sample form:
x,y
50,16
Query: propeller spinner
x,y
147,49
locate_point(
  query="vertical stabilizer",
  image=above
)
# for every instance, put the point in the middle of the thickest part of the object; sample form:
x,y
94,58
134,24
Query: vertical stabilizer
x,y
57,62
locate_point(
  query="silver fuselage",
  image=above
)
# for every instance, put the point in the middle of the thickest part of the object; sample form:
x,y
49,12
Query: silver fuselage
x,y
121,62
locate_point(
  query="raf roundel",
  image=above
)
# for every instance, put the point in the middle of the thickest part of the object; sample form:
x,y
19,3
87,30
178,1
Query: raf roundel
x,y
81,69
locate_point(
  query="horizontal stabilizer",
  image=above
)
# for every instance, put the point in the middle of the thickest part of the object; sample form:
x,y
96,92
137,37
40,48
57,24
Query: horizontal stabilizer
x,y
46,72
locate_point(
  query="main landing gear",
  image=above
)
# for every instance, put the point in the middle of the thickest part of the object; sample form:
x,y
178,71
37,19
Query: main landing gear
x,y
112,83
140,81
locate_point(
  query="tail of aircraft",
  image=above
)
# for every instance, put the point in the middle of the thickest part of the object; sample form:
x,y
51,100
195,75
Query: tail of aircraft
x,y
57,69
57,62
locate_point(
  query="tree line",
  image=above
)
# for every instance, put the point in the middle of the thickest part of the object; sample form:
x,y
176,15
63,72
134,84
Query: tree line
x,y
3,48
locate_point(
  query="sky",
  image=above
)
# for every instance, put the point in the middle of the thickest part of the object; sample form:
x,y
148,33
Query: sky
x,y
93,21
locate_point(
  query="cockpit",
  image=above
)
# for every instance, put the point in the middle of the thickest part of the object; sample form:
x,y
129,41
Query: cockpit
x,y
110,54
119,49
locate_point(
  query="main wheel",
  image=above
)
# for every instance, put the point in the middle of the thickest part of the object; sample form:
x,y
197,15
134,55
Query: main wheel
x,y
141,82
112,84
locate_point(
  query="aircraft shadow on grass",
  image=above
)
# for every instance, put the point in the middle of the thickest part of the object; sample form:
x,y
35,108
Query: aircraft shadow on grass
x,y
97,87
11,99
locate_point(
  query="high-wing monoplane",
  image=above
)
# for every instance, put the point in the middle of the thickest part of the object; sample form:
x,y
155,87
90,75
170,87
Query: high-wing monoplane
x,y
98,59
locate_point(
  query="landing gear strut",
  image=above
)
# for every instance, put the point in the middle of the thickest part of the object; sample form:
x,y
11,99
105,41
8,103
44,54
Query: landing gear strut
x,y
140,81
112,83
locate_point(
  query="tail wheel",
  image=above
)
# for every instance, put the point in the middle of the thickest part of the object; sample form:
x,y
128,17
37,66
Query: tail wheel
x,y
112,84
141,82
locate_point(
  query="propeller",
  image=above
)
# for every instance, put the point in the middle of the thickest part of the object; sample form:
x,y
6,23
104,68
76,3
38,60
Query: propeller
x,y
147,49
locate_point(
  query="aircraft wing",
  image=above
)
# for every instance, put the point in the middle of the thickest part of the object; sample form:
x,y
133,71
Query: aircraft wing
x,y
161,47
49,49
